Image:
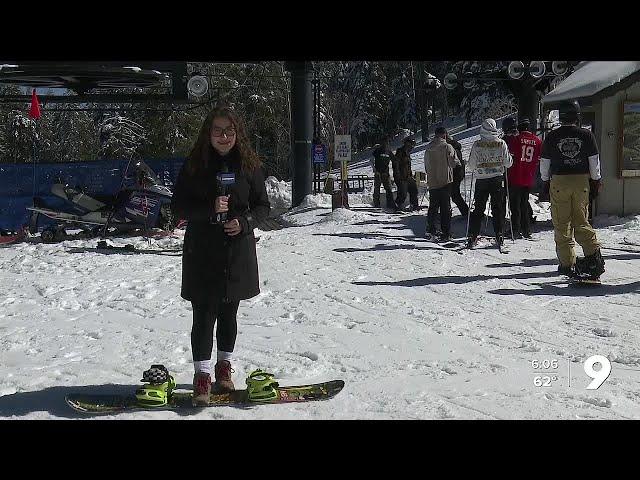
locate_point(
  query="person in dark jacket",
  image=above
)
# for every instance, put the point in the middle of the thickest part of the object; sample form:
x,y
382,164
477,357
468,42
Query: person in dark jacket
x,y
220,191
382,156
570,170
458,176
403,177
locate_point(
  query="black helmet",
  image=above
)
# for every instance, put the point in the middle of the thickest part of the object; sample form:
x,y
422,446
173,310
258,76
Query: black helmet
x,y
524,124
509,125
569,111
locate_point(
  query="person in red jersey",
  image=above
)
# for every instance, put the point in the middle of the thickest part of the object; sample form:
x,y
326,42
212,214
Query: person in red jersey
x,y
525,149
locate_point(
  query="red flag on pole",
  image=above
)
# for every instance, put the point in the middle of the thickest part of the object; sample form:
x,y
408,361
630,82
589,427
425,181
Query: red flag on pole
x,y
34,111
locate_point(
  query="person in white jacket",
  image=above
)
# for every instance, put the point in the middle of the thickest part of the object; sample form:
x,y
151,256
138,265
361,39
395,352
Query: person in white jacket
x,y
488,160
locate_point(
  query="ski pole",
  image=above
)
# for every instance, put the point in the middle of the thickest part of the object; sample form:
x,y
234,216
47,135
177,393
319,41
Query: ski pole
x,y
506,180
469,204
467,194
486,216
464,184
464,187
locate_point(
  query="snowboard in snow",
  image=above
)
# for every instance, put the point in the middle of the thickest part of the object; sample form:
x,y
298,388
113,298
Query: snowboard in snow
x,y
131,248
88,403
585,282
127,249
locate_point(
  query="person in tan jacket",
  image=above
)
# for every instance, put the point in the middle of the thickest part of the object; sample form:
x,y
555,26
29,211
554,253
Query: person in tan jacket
x,y
439,161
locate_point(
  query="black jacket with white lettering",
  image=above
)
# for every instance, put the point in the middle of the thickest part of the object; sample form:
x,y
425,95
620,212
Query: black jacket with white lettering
x,y
569,148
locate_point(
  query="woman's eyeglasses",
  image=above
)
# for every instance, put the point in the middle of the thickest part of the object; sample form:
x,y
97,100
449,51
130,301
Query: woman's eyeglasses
x,y
218,131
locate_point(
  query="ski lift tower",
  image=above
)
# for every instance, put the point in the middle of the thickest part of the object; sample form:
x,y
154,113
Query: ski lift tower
x,y
301,129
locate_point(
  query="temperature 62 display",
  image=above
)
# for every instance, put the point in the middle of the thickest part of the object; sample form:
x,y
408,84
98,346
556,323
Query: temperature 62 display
x,y
544,380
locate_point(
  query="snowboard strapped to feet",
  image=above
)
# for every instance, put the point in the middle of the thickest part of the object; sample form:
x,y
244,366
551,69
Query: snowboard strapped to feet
x,y
160,393
585,281
588,269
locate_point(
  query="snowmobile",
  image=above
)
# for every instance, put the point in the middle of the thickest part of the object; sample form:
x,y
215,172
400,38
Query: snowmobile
x,y
145,204
9,237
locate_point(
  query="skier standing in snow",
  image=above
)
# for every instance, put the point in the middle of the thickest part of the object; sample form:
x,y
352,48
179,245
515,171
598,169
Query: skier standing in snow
x,y
439,161
510,131
219,263
488,159
382,157
458,176
525,149
403,177
570,167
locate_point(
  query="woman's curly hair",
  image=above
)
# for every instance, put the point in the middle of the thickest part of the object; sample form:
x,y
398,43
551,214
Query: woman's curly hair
x,y
202,151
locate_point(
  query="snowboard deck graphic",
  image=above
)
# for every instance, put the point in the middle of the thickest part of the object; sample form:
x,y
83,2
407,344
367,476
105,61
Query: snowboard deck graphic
x,y
87,403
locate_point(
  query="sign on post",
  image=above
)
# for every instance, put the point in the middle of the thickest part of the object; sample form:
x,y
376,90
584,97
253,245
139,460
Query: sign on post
x,y
342,151
343,148
319,153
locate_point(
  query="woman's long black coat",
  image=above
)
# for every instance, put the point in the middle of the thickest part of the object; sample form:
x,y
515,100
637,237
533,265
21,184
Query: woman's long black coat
x,y
215,265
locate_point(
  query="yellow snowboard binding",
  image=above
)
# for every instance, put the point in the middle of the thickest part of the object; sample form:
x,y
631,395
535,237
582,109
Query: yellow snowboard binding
x,y
261,387
158,390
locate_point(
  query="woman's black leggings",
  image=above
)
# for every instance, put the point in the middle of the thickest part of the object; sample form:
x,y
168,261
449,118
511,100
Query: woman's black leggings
x,y
204,319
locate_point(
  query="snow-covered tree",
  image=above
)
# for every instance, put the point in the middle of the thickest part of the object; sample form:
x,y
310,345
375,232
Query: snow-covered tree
x,y
368,99
489,103
20,135
120,137
66,136
260,92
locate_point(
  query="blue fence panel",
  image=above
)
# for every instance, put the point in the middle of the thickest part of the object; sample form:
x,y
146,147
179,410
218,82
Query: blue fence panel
x,y
102,177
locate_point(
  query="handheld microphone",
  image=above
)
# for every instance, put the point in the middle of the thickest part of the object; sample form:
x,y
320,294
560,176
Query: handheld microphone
x,y
224,179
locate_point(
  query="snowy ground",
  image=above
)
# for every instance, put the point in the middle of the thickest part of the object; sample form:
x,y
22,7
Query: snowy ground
x,y
415,330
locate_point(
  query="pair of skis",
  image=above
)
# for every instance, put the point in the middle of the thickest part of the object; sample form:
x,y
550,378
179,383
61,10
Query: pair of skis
x,y
478,244
460,248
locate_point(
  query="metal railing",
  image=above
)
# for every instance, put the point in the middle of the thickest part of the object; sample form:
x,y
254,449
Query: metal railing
x,y
355,184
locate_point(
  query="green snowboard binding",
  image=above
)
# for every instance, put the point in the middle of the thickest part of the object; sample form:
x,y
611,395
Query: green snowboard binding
x,y
261,386
158,390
